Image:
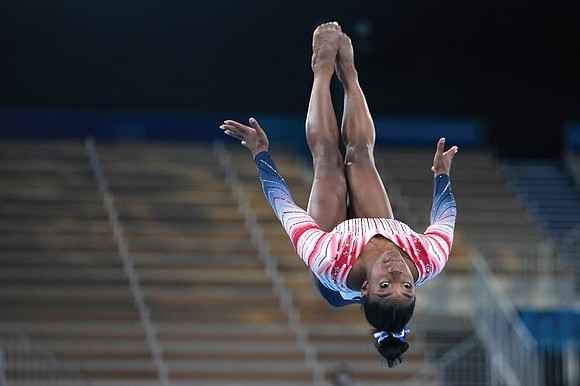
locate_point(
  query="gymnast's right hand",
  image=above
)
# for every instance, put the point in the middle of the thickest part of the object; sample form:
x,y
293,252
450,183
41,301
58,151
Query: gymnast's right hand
x,y
254,138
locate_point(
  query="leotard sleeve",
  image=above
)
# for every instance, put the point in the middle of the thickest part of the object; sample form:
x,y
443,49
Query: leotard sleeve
x,y
303,231
442,218
309,241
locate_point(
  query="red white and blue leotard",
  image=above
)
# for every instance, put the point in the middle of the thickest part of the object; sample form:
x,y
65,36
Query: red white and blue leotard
x,y
331,255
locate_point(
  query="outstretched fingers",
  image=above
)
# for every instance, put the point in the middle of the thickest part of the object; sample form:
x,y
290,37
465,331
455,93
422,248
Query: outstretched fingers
x,y
254,138
442,160
235,129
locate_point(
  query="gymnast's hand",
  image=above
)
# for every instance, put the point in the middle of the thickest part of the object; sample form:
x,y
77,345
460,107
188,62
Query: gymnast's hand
x,y
442,160
254,138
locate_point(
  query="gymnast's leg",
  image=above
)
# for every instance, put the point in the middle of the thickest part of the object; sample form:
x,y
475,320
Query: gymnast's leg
x,y
327,202
367,194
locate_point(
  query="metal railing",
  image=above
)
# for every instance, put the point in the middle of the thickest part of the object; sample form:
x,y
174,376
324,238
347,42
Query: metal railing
x,y
270,263
512,350
128,263
522,257
503,352
467,364
560,362
550,269
23,360
570,251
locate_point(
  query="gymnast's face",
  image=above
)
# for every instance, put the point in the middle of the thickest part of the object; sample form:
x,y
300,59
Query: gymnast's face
x,y
391,279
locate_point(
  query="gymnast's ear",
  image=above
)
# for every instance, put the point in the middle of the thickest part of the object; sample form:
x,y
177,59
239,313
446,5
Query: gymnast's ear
x,y
364,288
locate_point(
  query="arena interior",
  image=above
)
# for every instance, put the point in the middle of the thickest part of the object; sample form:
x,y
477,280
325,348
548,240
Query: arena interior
x,y
138,249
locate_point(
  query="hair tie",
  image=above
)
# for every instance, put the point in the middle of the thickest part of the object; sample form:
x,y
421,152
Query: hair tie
x,y
382,335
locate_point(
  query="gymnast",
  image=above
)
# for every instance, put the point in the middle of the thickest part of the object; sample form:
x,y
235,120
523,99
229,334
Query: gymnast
x,y
356,251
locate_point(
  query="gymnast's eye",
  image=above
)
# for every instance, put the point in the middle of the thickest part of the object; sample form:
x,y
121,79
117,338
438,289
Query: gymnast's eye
x,y
407,285
384,284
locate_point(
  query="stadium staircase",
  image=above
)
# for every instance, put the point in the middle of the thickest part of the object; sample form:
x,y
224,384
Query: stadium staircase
x,y
548,190
65,288
63,293
217,317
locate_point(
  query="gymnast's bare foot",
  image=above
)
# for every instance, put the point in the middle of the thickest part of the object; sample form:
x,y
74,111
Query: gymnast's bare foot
x,y
325,41
344,64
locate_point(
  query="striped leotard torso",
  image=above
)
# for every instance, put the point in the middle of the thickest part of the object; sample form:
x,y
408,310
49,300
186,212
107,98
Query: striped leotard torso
x,y
331,255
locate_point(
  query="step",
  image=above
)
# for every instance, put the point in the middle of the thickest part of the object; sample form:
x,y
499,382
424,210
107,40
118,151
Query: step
x,y
98,330
37,258
231,299
64,275
239,277
223,330
52,226
36,165
47,194
23,241
63,295
251,369
32,314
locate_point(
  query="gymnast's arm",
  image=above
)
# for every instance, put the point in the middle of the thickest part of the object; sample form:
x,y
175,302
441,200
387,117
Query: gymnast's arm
x,y
305,234
297,223
443,210
303,231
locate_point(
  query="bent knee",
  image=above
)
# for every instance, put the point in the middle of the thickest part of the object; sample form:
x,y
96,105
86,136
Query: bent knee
x,y
327,157
360,153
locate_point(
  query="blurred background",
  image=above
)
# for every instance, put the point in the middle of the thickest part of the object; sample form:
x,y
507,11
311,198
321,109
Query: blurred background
x,y
137,248
511,64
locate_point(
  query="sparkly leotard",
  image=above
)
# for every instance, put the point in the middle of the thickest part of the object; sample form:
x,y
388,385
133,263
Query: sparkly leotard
x,y
331,255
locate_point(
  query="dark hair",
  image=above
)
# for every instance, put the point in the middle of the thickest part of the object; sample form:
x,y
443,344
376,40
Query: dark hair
x,y
389,318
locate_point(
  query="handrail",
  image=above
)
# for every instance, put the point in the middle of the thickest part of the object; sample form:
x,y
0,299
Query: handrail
x,y
271,265
15,341
2,365
512,349
569,246
466,363
539,257
128,262
571,237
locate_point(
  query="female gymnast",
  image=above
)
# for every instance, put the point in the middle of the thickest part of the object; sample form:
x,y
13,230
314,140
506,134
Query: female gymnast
x,y
357,253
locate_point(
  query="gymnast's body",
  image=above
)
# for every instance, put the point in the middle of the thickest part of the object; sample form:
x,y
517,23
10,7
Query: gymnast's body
x,y
356,251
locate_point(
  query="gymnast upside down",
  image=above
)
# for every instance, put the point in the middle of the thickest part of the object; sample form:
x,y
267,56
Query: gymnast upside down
x,y
356,251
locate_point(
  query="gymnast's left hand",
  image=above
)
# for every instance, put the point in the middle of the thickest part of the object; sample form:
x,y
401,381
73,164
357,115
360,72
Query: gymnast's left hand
x,y
442,159
254,138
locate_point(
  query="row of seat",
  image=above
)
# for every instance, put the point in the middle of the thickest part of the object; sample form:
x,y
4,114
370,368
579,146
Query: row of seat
x,y
217,316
